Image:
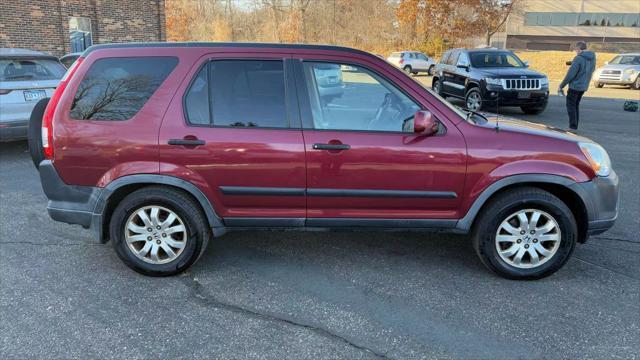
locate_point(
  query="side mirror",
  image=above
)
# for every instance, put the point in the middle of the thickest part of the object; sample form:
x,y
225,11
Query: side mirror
x,y
463,66
568,62
424,123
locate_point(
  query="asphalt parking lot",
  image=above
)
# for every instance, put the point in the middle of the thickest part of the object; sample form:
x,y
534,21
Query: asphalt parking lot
x,y
272,295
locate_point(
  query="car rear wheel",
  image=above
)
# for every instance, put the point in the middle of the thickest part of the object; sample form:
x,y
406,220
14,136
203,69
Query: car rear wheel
x,y
430,71
34,132
407,69
473,100
527,233
159,231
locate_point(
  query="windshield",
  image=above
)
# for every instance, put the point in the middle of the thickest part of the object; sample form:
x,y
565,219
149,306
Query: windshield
x,y
495,59
626,60
30,69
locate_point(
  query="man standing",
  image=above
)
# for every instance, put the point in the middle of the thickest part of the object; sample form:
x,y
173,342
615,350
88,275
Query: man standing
x,y
578,78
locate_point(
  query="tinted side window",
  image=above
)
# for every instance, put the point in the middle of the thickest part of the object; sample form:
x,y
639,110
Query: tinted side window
x,y
117,88
197,99
242,93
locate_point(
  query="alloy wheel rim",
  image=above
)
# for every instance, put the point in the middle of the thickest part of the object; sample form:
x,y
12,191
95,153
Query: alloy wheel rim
x,y
155,234
473,101
528,238
436,87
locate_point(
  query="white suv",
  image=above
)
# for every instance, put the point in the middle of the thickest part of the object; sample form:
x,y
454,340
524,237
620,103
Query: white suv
x,y
412,62
25,77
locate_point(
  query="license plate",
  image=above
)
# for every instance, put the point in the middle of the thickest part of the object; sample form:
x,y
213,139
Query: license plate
x,y
524,94
34,95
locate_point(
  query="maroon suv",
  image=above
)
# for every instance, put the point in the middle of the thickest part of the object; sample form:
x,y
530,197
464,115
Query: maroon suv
x,y
161,147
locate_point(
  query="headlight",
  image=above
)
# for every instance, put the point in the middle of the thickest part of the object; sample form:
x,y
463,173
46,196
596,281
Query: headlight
x,y
597,157
492,81
544,81
630,71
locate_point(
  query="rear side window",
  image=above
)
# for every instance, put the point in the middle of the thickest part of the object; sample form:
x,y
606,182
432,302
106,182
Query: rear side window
x,y
30,69
117,88
238,93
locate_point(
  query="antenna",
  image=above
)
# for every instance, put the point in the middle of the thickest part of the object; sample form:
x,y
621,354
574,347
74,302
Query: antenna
x,y
498,113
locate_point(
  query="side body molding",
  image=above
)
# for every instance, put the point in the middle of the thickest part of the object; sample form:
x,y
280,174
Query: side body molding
x,y
464,224
215,222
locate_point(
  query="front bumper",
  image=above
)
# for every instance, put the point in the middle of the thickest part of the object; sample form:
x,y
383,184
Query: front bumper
x,y
613,81
68,203
497,96
14,130
601,198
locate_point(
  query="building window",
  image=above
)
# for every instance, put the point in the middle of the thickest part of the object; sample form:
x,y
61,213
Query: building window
x,y
581,19
80,35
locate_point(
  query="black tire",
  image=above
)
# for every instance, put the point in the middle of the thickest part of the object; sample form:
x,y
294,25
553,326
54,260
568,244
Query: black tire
x,y
34,132
430,71
505,204
188,210
636,84
437,87
471,92
533,110
407,69
599,85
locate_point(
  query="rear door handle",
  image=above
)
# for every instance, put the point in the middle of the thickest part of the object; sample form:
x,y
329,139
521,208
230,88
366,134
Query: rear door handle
x,y
186,142
331,147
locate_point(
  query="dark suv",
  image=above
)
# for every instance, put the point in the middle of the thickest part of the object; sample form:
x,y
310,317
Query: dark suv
x,y
162,147
489,79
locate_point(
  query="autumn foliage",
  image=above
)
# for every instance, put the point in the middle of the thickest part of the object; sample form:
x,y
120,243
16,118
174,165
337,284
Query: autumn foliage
x,y
374,25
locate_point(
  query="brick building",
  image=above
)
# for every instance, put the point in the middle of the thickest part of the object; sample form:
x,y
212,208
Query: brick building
x,y
63,26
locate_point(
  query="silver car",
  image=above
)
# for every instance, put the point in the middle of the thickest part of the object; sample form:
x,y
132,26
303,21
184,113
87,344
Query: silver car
x,y
412,62
624,69
26,76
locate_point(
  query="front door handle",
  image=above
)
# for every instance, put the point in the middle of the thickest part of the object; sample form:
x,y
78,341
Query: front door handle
x,y
331,147
186,142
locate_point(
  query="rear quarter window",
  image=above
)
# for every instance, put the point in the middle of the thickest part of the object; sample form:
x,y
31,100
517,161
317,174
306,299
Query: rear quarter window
x,y
117,88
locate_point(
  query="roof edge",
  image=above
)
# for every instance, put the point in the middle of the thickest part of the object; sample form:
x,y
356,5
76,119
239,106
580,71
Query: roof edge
x,y
221,44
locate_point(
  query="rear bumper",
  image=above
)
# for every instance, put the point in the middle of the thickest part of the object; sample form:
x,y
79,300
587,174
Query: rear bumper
x,y
601,197
68,203
14,130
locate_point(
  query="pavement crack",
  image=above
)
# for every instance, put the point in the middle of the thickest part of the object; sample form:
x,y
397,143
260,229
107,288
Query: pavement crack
x,y
615,239
198,293
605,268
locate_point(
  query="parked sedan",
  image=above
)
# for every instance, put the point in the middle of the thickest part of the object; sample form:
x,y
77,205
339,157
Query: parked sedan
x,y
624,69
25,77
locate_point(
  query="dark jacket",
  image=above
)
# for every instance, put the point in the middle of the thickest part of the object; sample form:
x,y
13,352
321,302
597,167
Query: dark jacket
x,y
580,72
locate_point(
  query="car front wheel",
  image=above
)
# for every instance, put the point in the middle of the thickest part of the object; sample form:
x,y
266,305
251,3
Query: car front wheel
x,y
437,88
636,84
430,72
159,231
525,234
599,85
533,110
473,100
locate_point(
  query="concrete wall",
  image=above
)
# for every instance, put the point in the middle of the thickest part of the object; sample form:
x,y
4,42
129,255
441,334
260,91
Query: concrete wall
x,y
559,37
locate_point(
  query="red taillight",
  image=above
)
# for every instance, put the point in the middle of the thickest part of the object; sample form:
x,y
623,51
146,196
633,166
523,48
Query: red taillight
x,y
401,61
47,119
